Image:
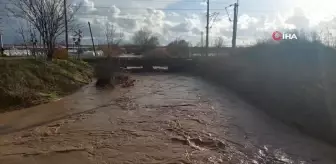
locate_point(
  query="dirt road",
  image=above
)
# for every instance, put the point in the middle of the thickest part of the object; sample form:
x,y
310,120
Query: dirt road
x,y
163,119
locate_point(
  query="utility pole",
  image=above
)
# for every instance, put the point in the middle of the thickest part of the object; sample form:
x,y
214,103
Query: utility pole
x,y
1,41
77,41
1,44
235,20
66,25
202,44
237,6
94,48
207,30
1,34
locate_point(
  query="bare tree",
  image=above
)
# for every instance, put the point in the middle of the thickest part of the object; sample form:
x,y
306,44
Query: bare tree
x,y
112,36
327,36
2,14
145,39
47,16
198,44
141,37
24,34
315,37
219,43
1,28
179,48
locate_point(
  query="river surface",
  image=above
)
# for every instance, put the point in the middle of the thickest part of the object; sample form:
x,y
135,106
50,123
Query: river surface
x,y
164,118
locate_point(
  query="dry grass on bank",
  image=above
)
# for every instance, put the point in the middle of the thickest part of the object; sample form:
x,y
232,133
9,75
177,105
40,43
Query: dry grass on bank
x,y
294,81
28,82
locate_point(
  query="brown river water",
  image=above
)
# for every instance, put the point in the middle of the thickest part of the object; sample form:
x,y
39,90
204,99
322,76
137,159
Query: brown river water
x,y
163,119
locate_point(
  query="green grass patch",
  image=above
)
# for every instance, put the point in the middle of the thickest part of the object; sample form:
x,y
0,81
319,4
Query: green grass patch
x,y
29,82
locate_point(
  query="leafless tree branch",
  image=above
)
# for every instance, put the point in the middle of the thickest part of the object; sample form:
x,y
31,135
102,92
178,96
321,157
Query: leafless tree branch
x,y
219,43
47,16
23,32
145,39
112,36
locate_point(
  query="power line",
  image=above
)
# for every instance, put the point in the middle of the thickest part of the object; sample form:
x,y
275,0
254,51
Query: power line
x,y
66,25
138,8
170,9
181,10
228,12
235,20
173,9
214,18
207,29
169,1
154,2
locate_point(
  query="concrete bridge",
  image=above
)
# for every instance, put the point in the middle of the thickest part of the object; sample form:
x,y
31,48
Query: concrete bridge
x,y
147,63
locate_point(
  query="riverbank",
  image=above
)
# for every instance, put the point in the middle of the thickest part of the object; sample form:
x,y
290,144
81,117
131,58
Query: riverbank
x,y
30,82
292,81
167,118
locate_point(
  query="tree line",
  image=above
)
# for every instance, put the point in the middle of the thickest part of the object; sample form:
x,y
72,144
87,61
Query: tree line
x,y
47,20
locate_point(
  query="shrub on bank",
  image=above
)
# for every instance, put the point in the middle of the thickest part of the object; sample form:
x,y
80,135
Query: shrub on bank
x,y
293,81
105,71
178,48
30,82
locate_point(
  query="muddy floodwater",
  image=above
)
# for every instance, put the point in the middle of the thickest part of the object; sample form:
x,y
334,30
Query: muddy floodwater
x,y
163,119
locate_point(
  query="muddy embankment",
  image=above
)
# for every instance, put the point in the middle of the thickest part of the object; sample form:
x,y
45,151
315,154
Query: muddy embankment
x,y
30,82
294,82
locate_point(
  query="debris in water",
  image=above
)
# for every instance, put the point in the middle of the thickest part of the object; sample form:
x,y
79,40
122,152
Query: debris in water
x,y
125,81
103,82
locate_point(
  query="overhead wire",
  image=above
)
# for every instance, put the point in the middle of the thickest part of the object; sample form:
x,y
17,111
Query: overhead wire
x,y
178,9
156,2
166,9
227,12
214,18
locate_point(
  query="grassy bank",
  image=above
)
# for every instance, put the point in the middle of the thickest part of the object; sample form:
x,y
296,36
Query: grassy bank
x,y
293,81
26,82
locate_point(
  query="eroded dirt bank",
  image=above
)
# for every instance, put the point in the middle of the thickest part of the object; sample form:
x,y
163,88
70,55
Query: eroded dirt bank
x,y
162,119
29,82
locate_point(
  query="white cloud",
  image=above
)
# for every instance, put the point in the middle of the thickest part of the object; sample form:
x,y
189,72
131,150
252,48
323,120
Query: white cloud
x,y
298,19
131,15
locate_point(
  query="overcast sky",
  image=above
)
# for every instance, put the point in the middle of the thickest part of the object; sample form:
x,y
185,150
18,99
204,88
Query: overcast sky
x,y
170,19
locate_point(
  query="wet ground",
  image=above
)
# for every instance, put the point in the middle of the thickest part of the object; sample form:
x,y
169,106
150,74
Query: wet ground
x,y
163,119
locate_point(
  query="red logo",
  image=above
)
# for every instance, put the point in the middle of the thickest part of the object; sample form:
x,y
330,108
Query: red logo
x,y
277,35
